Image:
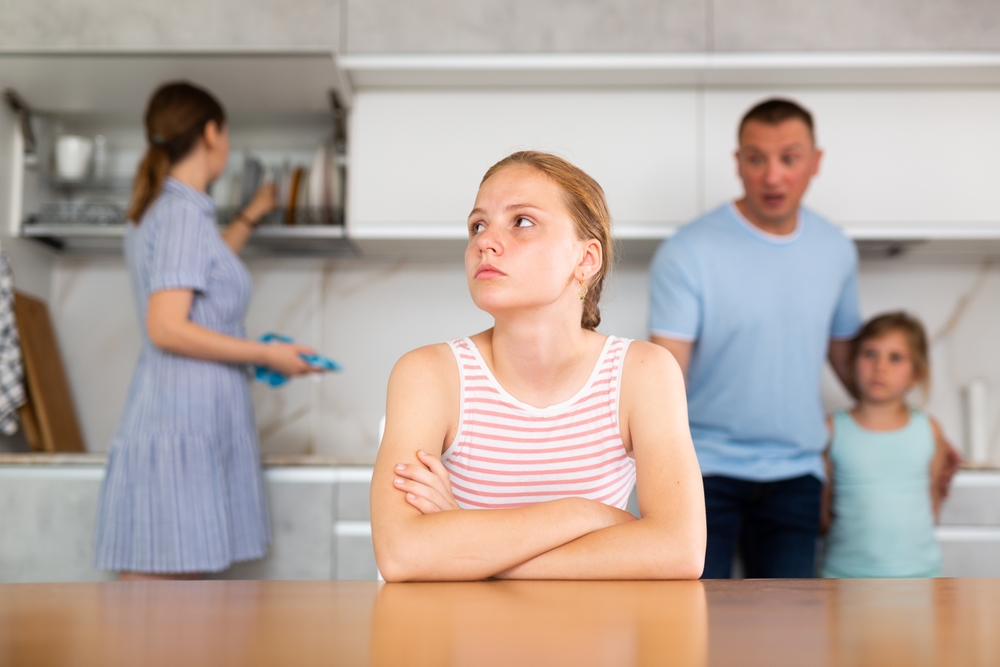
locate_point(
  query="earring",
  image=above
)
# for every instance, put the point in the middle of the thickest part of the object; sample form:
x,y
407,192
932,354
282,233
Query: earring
x,y
582,292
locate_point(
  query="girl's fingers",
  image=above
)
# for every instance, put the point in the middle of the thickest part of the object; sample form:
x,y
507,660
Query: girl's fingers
x,y
435,466
425,506
422,475
423,491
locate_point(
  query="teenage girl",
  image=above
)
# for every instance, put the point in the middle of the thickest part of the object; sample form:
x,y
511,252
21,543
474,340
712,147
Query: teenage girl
x,y
884,457
512,453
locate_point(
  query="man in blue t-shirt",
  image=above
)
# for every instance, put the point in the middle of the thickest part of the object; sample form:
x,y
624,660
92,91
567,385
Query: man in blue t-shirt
x,y
751,298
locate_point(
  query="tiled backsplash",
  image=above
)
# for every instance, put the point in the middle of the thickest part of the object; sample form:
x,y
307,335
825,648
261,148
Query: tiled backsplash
x,y
366,313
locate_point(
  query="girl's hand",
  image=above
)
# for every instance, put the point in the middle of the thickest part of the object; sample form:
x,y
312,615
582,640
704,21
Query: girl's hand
x,y
428,486
286,359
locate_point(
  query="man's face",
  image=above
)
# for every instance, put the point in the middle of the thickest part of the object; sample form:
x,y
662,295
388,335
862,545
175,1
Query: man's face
x,y
776,163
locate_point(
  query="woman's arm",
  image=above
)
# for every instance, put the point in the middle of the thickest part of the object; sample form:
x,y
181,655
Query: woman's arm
x,y
422,410
668,542
943,466
170,329
242,226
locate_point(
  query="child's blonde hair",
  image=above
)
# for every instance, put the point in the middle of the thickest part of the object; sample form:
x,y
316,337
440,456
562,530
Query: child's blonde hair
x,y
912,330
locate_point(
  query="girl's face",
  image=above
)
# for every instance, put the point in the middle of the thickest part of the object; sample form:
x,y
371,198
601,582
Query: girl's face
x,y
523,247
884,369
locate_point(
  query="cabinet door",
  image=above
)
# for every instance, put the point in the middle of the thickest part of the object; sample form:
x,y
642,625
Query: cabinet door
x,y
895,161
417,157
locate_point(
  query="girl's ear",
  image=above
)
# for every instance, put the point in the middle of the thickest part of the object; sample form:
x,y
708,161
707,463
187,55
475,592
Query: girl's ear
x,y
592,260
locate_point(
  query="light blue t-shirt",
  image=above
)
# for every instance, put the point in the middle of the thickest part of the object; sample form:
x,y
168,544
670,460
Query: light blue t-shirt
x,y
761,310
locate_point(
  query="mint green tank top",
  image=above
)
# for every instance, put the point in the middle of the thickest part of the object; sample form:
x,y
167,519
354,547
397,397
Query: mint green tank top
x,y
883,520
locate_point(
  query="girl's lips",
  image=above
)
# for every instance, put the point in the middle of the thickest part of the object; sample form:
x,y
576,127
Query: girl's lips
x,y
486,271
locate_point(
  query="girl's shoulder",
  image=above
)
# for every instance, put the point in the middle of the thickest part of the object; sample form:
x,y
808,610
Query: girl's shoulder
x,y
649,367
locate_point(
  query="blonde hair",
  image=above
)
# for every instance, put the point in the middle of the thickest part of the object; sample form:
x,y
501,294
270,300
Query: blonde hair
x,y
587,207
175,119
916,339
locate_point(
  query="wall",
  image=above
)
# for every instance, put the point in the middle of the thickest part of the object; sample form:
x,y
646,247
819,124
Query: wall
x,y
504,25
366,313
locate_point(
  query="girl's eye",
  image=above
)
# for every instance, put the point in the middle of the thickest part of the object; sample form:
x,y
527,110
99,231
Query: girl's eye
x,y
476,227
895,357
523,222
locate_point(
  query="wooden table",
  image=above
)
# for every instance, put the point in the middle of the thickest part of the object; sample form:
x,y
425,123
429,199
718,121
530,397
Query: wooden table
x,y
806,622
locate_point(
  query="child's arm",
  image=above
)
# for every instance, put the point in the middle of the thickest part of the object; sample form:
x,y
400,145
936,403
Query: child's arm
x,y
943,466
826,500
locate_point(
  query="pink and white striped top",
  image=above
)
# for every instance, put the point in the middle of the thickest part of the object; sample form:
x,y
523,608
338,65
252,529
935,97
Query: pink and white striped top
x,y
509,454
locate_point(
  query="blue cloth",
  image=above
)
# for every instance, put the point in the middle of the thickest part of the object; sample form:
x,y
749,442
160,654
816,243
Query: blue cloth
x,y
761,310
183,491
883,518
775,526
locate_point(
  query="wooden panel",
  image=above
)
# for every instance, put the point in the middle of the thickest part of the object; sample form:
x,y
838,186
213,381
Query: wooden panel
x,y
48,390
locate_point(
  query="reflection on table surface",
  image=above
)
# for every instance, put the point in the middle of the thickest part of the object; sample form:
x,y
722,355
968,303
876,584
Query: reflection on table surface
x,y
804,622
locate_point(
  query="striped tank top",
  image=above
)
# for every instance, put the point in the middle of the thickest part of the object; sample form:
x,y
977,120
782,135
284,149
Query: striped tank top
x,y
508,454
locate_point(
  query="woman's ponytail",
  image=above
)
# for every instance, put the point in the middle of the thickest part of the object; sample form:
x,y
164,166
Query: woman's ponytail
x,y
175,119
148,181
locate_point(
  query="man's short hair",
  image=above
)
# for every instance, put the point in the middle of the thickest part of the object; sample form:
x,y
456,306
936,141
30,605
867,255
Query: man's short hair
x,y
776,111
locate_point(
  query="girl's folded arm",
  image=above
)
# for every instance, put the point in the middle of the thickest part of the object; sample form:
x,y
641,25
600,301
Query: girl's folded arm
x,y
421,413
668,542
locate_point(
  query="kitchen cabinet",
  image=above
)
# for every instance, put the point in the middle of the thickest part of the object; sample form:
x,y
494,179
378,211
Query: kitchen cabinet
x,y
280,108
430,149
319,522
908,138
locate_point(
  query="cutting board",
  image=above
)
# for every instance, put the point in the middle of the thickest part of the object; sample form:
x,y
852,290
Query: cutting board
x,y
49,418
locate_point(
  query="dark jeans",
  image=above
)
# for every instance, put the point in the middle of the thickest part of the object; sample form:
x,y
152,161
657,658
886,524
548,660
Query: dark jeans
x,y
775,525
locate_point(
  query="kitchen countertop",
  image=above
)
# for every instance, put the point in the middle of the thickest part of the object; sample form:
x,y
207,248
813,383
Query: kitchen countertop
x,y
753,622
100,458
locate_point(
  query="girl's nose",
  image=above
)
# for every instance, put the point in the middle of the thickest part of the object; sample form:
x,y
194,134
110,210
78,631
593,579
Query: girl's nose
x,y
488,239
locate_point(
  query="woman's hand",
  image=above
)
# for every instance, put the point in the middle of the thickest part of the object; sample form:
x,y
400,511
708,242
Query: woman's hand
x,y
286,358
428,486
263,202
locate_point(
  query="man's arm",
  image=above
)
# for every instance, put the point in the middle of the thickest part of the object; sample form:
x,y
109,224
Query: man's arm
x,y
681,349
839,354
422,404
944,465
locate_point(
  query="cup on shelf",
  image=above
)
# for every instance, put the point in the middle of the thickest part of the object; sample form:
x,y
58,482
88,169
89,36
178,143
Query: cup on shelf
x,y
73,154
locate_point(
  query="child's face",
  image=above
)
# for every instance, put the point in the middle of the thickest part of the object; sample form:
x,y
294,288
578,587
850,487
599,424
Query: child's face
x,y
884,368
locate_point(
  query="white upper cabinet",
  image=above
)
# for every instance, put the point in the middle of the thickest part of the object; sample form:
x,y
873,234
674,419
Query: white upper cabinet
x,y
918,163
416,157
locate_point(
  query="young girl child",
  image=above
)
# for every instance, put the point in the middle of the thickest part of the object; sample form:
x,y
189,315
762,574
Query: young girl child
x,y
512,453
883,460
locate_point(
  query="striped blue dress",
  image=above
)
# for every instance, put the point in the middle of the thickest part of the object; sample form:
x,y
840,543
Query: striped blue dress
x,y
183,491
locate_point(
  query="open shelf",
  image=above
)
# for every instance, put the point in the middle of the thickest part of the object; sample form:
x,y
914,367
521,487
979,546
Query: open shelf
x,y
303,240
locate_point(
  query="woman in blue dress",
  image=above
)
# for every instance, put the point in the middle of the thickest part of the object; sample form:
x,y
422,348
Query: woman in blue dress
x,y
183,492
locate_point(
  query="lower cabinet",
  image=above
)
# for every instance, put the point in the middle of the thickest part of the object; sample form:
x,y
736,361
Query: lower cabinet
x,y
321,525
969,531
